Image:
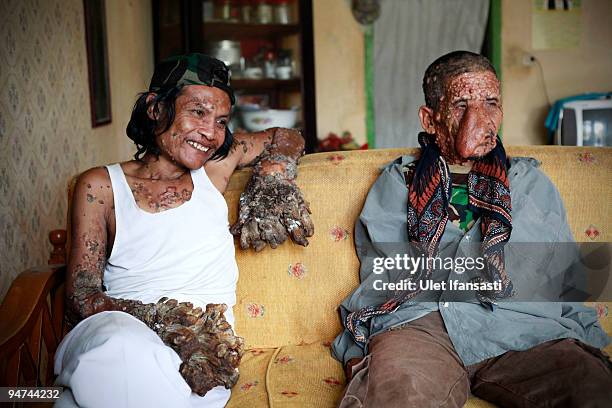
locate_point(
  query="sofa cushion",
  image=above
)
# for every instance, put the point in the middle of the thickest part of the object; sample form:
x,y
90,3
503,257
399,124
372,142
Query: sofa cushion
x,y
583,177
299,375
305,375
251,391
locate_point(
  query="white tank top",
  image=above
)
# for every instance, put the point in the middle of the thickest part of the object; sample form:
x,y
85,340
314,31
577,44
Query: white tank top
x,y
184,253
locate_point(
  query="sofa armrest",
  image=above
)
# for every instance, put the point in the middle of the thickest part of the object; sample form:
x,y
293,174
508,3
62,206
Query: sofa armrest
x,y
32,315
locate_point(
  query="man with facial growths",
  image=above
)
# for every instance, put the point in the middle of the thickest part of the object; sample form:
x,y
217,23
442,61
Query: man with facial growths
x,y
415,348
152,271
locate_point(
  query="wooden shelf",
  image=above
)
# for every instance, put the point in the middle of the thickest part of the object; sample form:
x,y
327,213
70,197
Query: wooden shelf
x,y
215,30
292,84
178,28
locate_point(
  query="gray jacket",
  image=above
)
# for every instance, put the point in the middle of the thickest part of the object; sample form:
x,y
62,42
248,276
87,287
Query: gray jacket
x,y
478,333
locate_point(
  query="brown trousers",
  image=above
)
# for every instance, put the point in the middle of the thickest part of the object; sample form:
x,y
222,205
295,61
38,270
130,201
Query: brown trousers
x,y
417,366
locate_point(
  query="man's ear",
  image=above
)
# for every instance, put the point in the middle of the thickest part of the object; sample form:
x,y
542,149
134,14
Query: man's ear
x,y
426,115
150,105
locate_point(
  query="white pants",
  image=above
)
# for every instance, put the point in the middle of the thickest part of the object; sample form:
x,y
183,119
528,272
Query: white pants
x,y
112,359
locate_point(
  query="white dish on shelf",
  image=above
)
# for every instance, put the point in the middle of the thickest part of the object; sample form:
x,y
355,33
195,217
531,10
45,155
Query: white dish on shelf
x,y
253,73
256,120
283,72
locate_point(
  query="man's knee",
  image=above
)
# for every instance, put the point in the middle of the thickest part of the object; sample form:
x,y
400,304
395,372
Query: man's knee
x,y
416,385
588,376
412,368
115,327
115,342
124,357
561,373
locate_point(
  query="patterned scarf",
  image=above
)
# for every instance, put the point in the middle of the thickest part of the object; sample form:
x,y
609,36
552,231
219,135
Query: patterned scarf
x,y
429,192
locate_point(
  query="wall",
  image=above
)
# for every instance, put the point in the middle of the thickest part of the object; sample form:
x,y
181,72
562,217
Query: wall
x,y
567,72
339,60
130,54
339,69
45,126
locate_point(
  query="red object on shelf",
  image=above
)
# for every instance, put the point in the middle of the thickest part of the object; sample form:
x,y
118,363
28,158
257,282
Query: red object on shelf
x,y
333,142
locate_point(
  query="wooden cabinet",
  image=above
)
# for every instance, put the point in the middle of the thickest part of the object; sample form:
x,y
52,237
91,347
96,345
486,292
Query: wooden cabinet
x,y
179,27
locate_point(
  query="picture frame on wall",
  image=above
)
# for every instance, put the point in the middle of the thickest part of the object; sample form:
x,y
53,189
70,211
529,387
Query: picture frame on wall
x,y
97,62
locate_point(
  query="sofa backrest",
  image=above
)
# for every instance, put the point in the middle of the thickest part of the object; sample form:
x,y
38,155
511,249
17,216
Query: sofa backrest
x,y
290,295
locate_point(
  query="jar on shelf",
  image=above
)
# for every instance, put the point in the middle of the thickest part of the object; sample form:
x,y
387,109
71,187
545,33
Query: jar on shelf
x,y
264,11
246,11
230,52
226,10
208,10
270,65
282,12
222,9
284,64
235,12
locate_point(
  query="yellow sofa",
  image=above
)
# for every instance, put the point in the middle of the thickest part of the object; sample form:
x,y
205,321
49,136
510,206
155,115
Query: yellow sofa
x,y
287,297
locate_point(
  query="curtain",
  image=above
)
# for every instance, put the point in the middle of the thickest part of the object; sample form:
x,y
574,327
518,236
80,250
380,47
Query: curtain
x,y
408,36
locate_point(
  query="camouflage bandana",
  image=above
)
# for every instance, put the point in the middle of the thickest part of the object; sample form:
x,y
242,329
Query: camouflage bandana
x,y
192,69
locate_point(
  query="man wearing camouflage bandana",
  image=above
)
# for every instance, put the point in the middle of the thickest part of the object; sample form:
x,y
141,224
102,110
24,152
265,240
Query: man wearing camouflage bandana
x,y
152,273
192,69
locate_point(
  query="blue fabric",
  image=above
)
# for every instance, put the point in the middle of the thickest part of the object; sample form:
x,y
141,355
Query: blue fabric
x,y
477,333
552,120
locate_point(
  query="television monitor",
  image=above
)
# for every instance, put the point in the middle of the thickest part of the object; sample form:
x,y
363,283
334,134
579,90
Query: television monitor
x,y
585,123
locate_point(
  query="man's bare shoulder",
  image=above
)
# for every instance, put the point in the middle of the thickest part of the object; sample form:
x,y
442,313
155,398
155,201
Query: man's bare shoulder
x,y
95,176
99,176
94,185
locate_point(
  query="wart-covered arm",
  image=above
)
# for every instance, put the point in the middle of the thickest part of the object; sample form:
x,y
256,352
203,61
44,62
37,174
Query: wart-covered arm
x,y
272,207
91,207
204,340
